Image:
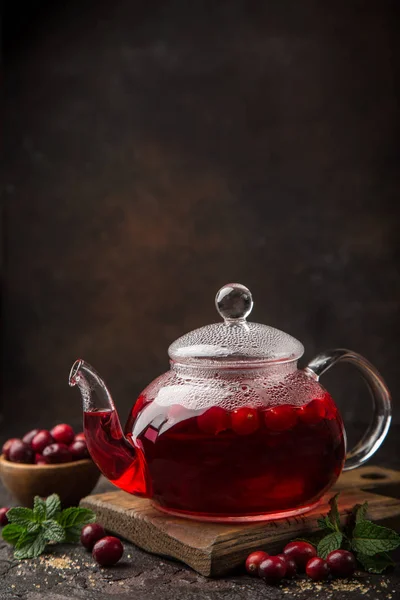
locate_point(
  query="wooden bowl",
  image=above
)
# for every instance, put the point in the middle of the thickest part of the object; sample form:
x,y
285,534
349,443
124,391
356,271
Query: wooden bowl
x,y
71,481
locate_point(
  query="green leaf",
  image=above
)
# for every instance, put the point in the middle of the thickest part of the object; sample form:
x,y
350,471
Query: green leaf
x,y
39,509
12,532
325,523
369,539
329,543
76,516
30,545
73,519
360,511
53,506
377,563
73,534
333,515
21,516
32,527
53,531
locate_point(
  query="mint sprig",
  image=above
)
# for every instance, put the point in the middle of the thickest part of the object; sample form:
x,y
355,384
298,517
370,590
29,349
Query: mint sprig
x,y
31,530
370,542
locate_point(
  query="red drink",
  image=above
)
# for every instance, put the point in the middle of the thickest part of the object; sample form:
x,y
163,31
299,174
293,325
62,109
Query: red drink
x,y
118,459
223,464
233,473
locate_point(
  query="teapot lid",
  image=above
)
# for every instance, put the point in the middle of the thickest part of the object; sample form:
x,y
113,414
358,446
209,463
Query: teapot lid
x,y
235,339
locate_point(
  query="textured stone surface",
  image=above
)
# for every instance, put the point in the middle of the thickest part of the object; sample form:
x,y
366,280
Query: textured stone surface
x,y
155,151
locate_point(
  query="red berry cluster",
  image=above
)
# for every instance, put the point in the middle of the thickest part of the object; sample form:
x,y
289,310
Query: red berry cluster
x,y
43,447
246,420
300,557
106,549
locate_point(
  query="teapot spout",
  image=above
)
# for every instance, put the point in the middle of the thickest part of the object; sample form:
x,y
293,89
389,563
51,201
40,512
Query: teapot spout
x,y
115,455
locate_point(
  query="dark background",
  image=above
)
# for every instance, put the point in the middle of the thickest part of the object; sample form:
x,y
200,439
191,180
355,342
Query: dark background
x,y
155,151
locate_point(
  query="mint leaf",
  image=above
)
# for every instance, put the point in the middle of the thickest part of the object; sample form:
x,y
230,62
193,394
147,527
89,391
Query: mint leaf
x,y
76,516
73,519
369,539
32,528
39,509
12,532
21,516
30,545
360,512
377,563
333,515
53,506
329,543
53,531
325,523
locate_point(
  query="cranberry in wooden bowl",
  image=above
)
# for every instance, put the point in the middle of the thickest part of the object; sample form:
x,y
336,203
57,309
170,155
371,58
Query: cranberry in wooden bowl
x,y
37,465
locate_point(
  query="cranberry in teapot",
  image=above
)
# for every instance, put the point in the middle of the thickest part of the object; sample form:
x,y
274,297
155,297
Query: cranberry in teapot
x,y
234,431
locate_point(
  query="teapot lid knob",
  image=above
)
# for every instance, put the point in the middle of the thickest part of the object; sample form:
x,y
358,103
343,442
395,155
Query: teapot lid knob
x,y
234,302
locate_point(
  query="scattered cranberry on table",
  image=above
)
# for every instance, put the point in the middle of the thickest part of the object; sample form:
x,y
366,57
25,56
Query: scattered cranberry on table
x,y
300,552
57,453
253,561
272,569
80,436
342,563
20,452
291,567
91,534
42,439
63,434
317,569
3,516
28,437
107,551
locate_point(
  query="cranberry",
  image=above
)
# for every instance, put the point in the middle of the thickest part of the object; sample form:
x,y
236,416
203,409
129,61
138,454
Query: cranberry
x,y
341,563
253,561
291,568
280,418
42,439
80,436
107,551
20,452
28,437
214,420
91,534
300,552
63,434
317,569
245,420
313,412
79,450
3,516
57,453
40,460
7,446
272,569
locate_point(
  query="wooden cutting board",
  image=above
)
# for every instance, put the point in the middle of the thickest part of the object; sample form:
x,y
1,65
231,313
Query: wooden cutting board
x,y
213,549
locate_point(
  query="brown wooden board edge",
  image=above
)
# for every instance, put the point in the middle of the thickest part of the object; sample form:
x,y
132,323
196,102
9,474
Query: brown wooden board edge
x,y
229,545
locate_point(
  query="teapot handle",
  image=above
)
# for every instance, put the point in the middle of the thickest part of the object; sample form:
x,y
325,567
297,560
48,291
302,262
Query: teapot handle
x,y
380,423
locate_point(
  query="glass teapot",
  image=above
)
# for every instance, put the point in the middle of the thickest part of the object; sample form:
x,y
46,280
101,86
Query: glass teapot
x,y
234,431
